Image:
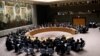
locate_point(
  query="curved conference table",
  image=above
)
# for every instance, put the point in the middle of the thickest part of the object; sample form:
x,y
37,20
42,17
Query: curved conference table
x,y
47,29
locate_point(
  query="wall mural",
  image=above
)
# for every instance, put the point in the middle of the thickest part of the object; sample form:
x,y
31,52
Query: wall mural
x,y
9,14
1,15
14,14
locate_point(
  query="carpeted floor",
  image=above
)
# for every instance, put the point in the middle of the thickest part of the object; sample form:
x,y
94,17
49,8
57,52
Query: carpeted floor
x,y
92,47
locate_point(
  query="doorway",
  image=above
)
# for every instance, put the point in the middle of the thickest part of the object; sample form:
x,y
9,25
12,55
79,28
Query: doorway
x,y
79,21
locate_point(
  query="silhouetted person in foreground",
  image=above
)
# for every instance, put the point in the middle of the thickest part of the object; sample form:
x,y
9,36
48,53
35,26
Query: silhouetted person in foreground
x,y
82,43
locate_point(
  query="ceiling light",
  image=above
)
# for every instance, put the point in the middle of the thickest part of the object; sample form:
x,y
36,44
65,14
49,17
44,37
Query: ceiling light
x,y
88,2
45,0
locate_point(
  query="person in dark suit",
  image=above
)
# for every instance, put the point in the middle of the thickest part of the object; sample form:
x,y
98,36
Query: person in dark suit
x,y
9,44
36,43
67,48
77,45
63,38
62,49
82,43
57,44
72,43
48,41
18,45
